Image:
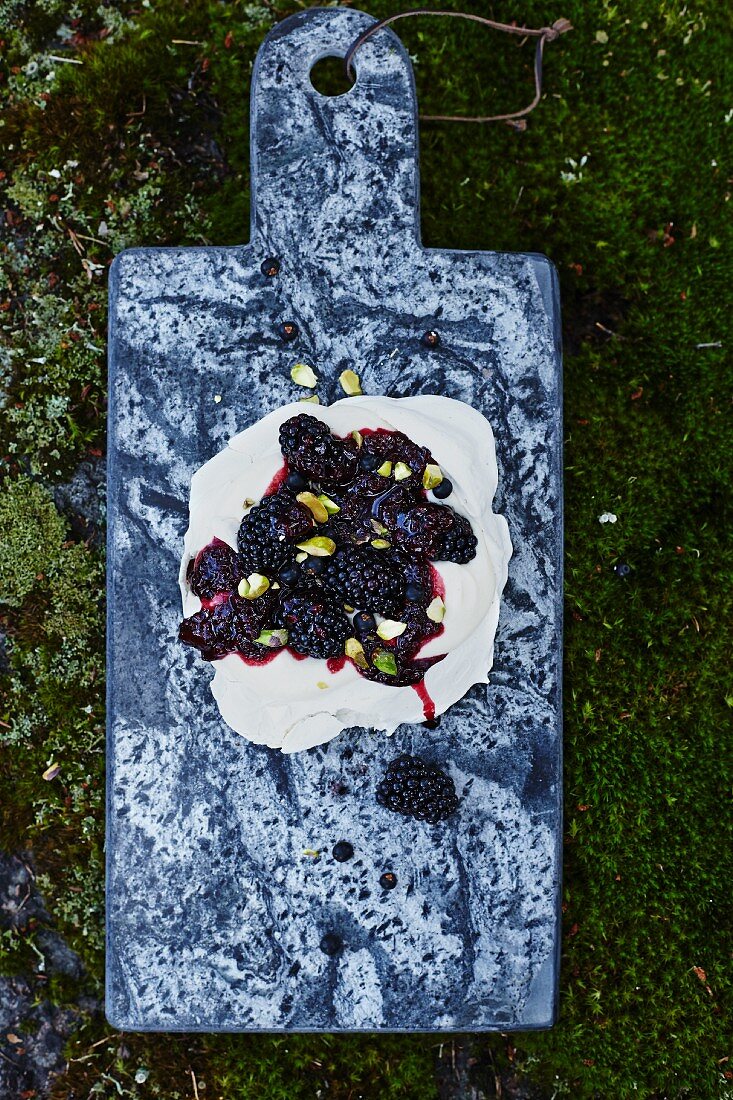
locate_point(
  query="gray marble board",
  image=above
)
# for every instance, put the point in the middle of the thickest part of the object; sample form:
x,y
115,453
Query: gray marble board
x,y
214,912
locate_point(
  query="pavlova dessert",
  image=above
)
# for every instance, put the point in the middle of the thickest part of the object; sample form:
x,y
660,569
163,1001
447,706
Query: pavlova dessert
x,y
343,567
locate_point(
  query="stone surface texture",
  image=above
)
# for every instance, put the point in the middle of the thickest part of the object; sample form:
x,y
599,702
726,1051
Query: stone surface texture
x,y
215,912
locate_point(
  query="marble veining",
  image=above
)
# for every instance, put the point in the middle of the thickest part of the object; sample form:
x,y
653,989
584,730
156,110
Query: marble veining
x,y
214,910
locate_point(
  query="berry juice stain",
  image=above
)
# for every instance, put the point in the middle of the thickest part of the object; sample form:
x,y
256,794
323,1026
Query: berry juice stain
x,y
428,706
220,597
257,661
335,664
438,582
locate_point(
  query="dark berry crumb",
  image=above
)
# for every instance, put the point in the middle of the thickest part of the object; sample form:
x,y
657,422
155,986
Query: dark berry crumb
x,y
331,944
444,489
342,851
288,331
364,623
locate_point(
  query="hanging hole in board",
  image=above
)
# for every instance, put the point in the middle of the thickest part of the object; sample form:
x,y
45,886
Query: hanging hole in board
x,y
329,78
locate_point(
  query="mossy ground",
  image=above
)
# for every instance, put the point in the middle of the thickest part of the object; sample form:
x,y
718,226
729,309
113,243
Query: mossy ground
x,y
623,177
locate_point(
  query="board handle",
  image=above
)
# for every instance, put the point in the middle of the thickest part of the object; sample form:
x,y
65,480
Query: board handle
x,y
332,169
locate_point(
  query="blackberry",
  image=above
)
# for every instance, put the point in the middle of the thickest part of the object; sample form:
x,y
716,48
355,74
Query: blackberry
x,y
216,569
396,447
458,544
422,530
229,627
363,577
415,789
309,448
316,626
266,530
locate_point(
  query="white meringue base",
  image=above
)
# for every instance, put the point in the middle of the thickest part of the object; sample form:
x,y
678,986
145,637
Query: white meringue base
x,y
293,705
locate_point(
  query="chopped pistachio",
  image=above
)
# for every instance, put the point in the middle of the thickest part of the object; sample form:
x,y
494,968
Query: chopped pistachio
x,y
402,471
253,586
348,608
385,469
379,527
303,375
312,852
248,502
436,610
381,544
355,650
301,557
390,628
349,382
314,400
311,501
358,438
330,505
274,639
275,586
433,476
385,662
319,547
321,684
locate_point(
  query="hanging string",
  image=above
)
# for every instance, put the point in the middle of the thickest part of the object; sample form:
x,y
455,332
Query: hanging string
x,y
542,34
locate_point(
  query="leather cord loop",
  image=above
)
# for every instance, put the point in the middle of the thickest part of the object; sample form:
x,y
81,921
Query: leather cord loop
x,y
542,34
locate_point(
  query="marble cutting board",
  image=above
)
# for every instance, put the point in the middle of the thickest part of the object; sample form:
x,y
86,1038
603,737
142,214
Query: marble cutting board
x,y
214,912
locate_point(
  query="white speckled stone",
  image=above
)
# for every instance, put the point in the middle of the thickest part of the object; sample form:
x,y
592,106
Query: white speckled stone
x,y
214,912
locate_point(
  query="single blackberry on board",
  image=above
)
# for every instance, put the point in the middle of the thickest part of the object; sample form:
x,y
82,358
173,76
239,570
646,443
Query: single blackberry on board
x,y
309,448
365,578
458,544
416,789
266,530
216,569
316,625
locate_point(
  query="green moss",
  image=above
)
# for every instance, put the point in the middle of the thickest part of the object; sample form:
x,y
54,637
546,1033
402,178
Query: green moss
x,y
32,535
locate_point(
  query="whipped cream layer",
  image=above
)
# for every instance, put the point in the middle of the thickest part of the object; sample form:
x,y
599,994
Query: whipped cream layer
x,y
293,705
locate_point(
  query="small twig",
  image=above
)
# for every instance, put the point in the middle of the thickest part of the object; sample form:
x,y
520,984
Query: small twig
x,y
66,60
137,114
608,331
185,42
195,1086
23,902
713,344
84,237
